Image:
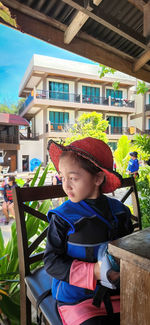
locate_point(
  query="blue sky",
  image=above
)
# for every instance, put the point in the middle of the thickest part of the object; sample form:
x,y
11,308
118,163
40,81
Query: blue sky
x,y
16,50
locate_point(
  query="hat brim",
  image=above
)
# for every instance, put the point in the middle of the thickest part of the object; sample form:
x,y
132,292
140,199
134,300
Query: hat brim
x,y
113,179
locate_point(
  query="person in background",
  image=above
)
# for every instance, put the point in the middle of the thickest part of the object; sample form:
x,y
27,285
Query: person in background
x,y
8,205
133,165
57,180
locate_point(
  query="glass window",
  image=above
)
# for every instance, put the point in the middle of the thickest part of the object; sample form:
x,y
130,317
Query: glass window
x,y
116,124
113,145
114,93
58,120
58,90
90,95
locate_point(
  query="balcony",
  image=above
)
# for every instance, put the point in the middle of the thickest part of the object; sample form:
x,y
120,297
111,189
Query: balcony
x,y
31,136
120,130
9,139
147,131
42,97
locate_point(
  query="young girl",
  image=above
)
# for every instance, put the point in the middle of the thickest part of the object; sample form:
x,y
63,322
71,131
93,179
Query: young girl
x,y
84,274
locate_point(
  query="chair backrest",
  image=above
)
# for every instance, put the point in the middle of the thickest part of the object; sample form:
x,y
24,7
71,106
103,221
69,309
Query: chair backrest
x,y
131,192
23,195
27,201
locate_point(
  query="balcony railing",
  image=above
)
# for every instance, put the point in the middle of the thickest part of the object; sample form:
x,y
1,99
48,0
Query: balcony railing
x,y
11,139
60,127
122,102
147,131
120,130
30,136
58,95
26,103
76,98
147,107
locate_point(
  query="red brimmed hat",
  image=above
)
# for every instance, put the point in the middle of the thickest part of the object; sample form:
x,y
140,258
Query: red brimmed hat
x,y
97,151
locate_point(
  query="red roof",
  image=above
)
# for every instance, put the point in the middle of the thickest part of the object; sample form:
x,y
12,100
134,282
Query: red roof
x,y
12,119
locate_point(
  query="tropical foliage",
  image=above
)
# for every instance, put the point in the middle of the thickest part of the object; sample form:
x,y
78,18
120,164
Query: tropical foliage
x,y
142,88
121,154
6,15
13,108
143,186
9,264
89,125
104,70
143,143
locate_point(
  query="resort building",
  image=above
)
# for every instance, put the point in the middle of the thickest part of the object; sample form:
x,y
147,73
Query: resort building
x,y
9,140
58,91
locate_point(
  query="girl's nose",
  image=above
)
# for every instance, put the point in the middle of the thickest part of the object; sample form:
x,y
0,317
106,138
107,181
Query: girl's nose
x,y
67,184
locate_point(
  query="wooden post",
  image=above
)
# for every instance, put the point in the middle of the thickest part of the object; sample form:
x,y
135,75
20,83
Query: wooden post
x,y
134,254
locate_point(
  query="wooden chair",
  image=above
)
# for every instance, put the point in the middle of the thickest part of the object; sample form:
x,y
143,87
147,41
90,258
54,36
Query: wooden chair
x,y
32,284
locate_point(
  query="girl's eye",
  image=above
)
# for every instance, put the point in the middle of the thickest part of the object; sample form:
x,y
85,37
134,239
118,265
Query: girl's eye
x,y
73,178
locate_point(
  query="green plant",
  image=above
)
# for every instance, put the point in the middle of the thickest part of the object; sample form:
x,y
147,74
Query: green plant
x,y
116,85
104,70
142,88
6,15
143,186
9,264
89,125
121,155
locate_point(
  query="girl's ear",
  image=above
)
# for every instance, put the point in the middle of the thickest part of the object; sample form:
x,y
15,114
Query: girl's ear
x,y
100,178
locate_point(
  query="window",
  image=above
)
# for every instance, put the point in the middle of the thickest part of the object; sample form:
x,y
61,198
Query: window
x,y
90,95
113,145
116,124
58,120
114,93
58,90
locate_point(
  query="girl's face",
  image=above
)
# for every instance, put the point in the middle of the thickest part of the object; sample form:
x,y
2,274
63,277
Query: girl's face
x,y
77,183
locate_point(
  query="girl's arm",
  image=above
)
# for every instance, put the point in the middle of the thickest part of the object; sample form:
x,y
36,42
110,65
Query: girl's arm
x,y
61,266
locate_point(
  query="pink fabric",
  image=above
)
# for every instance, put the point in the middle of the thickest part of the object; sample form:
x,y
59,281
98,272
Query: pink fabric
x,y
82,275
79,313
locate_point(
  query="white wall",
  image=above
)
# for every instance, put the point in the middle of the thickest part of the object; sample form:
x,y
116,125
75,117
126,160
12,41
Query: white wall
x,y
39,122
34,149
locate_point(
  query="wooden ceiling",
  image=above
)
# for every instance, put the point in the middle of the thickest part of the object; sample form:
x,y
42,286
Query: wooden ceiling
x,y
115,33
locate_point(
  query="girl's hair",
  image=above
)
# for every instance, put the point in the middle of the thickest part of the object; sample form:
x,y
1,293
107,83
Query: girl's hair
x,y
84,163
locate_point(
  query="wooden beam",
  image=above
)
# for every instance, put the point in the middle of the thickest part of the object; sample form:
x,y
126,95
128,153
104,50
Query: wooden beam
x,y
97,2
138,4
146,23
76,24
141,61
110,23
85,48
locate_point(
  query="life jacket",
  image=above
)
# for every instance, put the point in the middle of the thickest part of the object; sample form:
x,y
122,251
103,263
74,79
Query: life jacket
x,y
83,240
8,190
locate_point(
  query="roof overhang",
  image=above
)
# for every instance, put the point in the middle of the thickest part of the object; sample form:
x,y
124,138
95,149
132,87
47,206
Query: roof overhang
x,y
12,119
113,33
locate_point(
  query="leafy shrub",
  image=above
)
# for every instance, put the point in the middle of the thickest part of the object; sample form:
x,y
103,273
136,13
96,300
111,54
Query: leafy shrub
x,y
143,186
